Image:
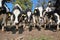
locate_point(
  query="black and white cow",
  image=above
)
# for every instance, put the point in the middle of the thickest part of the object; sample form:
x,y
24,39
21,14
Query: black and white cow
x,y
41,10
3,11
38,12
6,14
52,15
49,13
57,20
29,14
16,12
36,15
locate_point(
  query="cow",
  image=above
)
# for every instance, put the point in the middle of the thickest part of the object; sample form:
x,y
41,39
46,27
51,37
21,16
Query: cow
x,y
41,10
58,20
38,16
26,17
29,14
6,16
52,16
3,11
16,13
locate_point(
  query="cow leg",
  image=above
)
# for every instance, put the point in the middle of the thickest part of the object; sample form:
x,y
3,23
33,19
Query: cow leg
x,y
2,28
24,26
11,21
45,26
4,21
57,27
16,26
45,23
34,22
4,18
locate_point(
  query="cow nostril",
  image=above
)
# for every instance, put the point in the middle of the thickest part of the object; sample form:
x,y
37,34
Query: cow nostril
x,y
16,23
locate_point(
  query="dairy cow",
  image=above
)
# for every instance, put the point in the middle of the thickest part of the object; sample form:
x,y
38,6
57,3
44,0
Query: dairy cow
x,y
16,12
38,15
29,14
52,15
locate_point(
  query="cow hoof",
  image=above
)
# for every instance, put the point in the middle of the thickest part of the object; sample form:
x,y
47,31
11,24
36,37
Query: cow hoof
x,y
57,28
2,28
45,26
16,25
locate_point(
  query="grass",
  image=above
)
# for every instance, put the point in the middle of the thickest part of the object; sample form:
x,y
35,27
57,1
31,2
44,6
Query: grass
x,y
41,38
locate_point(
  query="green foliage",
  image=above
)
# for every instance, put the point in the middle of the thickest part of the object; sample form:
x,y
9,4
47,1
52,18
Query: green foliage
x,y
24,3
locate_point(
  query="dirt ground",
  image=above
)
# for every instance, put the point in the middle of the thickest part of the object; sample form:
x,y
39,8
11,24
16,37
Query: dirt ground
x,y
30,35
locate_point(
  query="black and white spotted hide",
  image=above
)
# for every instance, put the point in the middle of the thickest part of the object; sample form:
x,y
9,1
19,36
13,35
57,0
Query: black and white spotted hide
x,y
3,10
41,14
16,13
36,15
49,11
41,11
1,3
2,6
29,13
58,20
23,16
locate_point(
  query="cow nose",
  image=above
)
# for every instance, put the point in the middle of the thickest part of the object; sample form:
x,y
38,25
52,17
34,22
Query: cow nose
x,y
16,23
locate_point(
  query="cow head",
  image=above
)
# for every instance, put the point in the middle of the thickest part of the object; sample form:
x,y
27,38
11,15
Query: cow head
x,y
16,11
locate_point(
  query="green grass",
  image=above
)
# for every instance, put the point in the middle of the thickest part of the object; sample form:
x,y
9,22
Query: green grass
x,y
41,38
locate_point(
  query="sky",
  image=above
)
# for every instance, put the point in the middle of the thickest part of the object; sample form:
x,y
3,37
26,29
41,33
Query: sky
x,y
35,3
10,5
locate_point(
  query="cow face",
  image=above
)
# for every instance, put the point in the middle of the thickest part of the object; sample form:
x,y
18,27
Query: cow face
x,y
41,11
16,12
29,15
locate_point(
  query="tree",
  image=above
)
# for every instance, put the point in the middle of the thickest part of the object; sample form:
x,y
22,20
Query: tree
x,y
24,3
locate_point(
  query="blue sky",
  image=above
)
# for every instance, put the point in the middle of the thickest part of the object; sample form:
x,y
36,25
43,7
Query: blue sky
x,y
10,5
35,3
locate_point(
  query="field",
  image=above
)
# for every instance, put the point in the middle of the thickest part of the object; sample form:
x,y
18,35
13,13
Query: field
x,y
35,34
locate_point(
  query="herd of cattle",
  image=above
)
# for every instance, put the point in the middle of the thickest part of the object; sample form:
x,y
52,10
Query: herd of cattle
x,y
40,17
